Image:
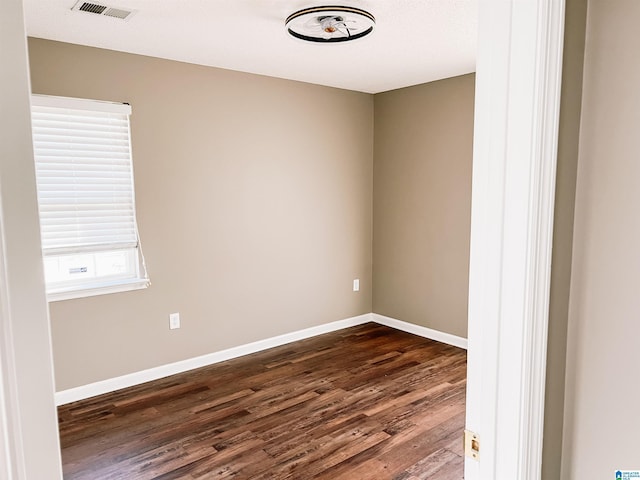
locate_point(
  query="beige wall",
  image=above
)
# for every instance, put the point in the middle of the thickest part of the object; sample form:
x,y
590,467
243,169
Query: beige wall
x,y
422,203
602,389
568,140
26,376
254,207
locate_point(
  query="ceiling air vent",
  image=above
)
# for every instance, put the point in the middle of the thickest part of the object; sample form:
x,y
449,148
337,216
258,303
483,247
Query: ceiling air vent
x,y
104,10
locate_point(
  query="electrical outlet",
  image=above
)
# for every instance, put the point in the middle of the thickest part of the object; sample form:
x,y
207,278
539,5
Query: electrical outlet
x,y
356,285
174,321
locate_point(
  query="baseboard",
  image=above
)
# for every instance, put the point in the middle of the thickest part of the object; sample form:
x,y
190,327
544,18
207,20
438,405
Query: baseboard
x,y
421,331
105,386
124,381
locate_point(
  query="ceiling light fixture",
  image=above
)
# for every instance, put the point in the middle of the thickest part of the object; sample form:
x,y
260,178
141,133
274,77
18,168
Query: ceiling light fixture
x,y
330,24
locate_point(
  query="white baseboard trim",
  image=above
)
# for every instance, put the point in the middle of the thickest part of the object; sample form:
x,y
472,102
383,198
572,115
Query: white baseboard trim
x,y
425,332
105,386
112,384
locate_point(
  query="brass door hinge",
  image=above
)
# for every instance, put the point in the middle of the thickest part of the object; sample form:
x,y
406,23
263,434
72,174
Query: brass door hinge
x,y
471,445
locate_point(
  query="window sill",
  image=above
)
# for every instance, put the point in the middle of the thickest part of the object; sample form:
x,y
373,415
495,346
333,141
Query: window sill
x,y
98,289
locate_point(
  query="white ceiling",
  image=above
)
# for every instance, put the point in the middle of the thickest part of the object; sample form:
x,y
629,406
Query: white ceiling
x,y
414,41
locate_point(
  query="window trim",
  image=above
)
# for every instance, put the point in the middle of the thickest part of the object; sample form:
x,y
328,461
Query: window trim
x,y
104,288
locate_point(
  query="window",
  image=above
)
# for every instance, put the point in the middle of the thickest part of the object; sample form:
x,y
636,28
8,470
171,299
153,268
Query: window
x,y
84,177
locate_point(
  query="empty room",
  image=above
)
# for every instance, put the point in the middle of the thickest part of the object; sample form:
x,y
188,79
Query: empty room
x,y
294,240
287,241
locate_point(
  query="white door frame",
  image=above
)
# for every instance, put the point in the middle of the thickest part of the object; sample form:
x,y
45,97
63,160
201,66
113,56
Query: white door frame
x,y
11,454
29,440
515,148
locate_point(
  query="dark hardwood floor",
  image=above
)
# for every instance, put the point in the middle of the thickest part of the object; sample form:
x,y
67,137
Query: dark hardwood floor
x,y
367,402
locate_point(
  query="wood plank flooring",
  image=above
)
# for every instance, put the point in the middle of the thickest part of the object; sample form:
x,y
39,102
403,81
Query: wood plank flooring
x,y
367,402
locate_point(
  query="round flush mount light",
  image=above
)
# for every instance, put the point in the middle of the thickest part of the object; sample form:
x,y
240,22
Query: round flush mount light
x,y
330,24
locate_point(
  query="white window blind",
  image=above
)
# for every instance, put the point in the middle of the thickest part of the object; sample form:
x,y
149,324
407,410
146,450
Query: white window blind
x,y
84,177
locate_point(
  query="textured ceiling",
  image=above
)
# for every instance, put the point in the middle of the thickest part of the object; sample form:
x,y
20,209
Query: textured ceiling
x,y
415,41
